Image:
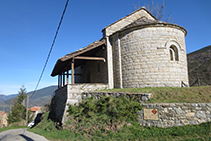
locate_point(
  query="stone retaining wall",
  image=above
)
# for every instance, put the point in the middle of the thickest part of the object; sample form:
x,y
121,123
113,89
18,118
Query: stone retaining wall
x,y
141,97
158,115
164,114
175,114
70,94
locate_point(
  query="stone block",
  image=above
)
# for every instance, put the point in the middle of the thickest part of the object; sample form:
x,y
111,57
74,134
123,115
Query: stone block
x,y
72,101
190,114
193,122
200,114
78,97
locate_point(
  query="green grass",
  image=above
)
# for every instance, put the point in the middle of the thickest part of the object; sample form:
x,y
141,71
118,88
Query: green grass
x,y
106,119
11,127
14,125
132,132
172,94
110,119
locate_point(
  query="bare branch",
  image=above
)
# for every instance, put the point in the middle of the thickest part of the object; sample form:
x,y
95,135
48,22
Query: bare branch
x,y
156,10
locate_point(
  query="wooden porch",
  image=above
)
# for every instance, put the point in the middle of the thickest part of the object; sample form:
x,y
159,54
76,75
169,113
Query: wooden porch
x,y
65,67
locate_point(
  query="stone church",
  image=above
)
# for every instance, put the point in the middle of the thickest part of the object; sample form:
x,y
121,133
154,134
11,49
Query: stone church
x,y
136,51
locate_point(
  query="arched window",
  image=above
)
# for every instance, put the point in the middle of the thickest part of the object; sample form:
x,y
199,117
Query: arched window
x,y
173,53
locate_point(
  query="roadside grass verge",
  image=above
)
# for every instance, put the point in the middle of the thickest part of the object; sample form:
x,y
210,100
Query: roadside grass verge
x,y
172,94
127,132
11,127
15,125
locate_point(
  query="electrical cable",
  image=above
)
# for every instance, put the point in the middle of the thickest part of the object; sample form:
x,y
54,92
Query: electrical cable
x,y
51,48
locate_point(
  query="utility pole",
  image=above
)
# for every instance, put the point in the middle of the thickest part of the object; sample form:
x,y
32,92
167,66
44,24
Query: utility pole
x,y
27,104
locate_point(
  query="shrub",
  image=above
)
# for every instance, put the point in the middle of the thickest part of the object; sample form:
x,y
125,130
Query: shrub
x,y
105,114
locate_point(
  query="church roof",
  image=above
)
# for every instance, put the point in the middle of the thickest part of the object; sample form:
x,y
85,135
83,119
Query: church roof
x,y
143,21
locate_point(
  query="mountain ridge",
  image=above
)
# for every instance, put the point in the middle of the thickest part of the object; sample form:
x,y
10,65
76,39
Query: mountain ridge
x,y
40,98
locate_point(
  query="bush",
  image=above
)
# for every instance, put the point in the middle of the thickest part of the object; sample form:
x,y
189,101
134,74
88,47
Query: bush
x,y
105,114
46,124
109,119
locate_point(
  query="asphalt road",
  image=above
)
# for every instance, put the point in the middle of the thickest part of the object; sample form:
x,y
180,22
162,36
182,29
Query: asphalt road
x,y
20,135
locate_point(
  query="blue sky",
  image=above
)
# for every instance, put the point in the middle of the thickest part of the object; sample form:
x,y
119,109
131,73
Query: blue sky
x,y
27,28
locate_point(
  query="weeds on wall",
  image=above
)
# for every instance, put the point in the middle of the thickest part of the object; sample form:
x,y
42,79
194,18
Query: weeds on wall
x,y
91,131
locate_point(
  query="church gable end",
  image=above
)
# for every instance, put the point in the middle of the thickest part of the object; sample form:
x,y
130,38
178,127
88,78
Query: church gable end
x,y
127,20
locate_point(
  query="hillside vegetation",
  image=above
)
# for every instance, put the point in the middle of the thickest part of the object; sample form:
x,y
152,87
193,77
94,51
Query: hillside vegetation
x,y
114,119
199,66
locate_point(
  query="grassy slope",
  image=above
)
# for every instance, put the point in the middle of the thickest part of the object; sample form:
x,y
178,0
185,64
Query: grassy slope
x,y
88,131
136,132
133,131
173,95
199,66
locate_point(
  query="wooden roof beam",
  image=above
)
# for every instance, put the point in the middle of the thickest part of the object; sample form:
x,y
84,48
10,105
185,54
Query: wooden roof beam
x,y
90,58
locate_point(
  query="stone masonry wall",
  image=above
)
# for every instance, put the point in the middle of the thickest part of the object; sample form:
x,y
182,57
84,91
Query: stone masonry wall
x,y
139,96
116,63
145,57
75,90
163,114
70,94
176,114
58,104
95,71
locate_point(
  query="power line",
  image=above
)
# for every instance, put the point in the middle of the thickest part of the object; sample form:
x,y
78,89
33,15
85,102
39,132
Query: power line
x,y
51,48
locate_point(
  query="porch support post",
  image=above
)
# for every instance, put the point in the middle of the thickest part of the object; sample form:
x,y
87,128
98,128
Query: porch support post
x,y
60,81
67,77
72,69
110,64
59,84
63,78
120,64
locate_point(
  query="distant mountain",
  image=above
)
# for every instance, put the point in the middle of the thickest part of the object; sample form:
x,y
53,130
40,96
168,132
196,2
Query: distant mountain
x,y
6,97
199,66
40,98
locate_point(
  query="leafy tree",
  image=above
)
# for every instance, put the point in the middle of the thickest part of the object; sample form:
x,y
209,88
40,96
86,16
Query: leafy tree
x,y
18,111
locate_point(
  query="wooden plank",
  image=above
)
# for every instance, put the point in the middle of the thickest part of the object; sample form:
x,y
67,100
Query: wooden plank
x,y
59,81
75,74
72,69
67,77
90,58
63,78
71,74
